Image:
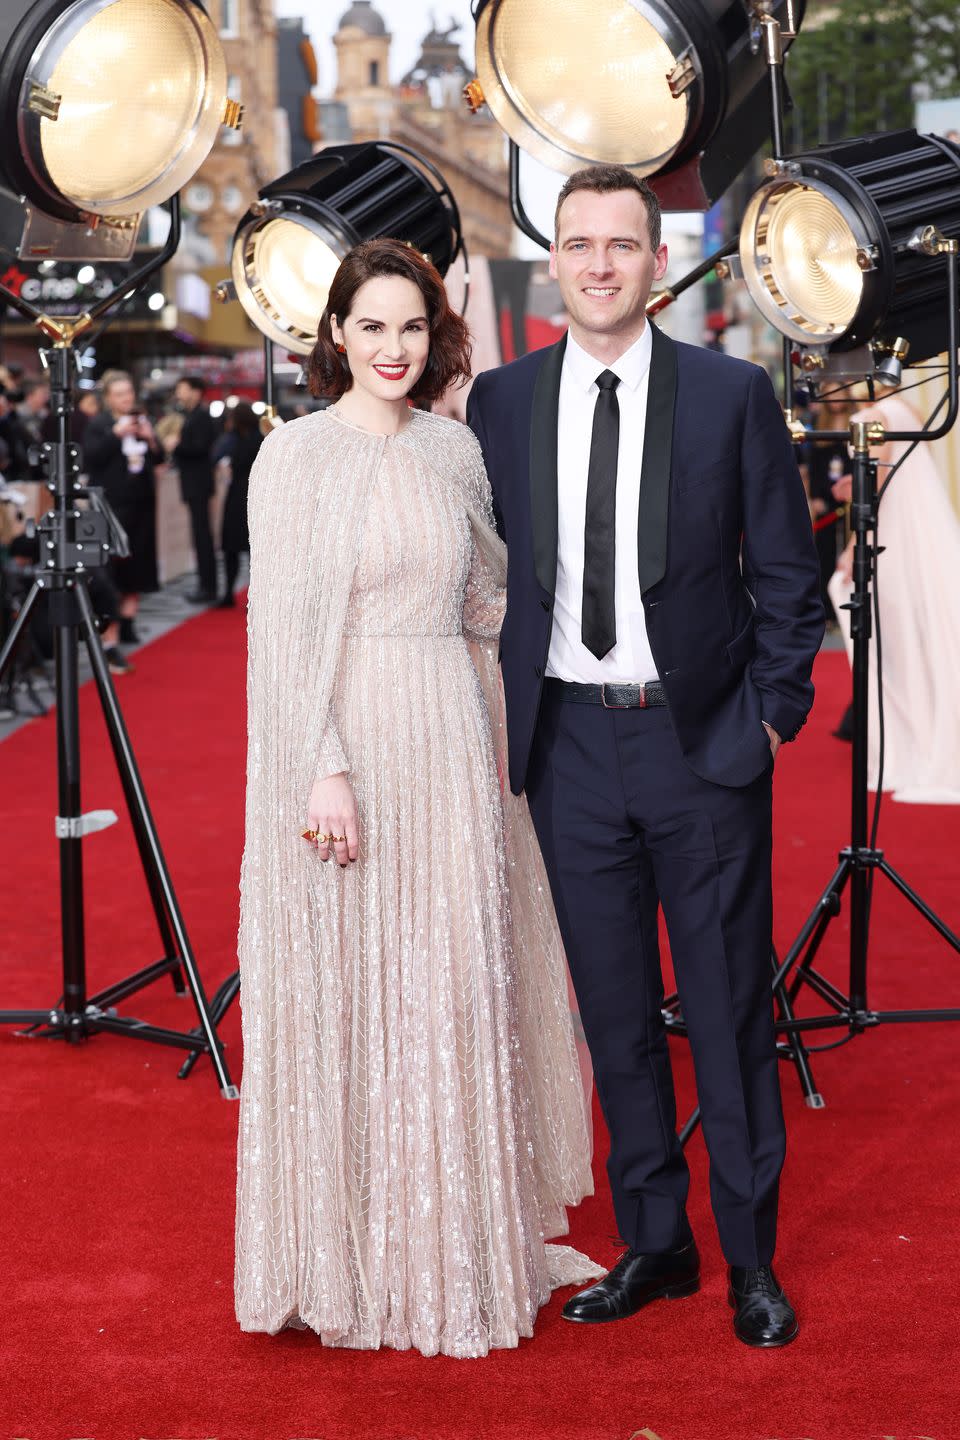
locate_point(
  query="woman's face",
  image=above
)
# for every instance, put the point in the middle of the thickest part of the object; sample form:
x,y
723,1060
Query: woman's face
x,y
387,336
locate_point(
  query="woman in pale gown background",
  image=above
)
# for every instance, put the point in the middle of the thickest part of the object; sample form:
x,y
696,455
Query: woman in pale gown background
x,y
412,1117
919,601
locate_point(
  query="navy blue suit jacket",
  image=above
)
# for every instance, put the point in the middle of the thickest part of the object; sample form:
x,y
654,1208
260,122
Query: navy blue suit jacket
x,y
725,553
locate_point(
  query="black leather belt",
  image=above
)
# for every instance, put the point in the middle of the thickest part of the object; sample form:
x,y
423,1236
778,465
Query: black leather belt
x,y
611,697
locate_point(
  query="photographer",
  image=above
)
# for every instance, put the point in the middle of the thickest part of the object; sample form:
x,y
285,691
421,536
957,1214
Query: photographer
x,y
121,452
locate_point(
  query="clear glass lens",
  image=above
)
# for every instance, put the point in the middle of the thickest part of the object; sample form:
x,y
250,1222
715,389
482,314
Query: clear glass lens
x,y
296,269
142,86
813,259
578,80
283,269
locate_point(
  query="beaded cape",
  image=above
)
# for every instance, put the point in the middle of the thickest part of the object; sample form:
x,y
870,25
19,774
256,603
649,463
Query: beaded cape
x,y
412,1116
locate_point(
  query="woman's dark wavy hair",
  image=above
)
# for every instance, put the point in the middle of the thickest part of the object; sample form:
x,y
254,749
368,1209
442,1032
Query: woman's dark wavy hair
x,y
449,360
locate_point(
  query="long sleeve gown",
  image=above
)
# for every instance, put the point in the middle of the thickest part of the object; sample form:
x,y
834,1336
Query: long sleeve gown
x,y
412,1117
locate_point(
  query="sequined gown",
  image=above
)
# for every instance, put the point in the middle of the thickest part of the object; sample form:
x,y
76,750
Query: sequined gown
x,y
412,1118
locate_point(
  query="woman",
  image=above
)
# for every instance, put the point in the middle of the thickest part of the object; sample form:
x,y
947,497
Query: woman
x,y
916,582
412,1119
121,453
238,446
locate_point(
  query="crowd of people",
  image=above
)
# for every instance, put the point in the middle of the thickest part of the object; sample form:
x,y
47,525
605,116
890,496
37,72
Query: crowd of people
x,y
123,449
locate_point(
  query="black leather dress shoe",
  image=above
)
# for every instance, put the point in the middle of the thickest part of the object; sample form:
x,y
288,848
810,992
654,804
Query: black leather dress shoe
x,y
202,597
764,1316
633,1282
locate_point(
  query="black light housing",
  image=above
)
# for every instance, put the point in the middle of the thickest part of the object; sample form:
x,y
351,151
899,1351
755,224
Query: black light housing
x,y
836,246
288,245
675,90
106,107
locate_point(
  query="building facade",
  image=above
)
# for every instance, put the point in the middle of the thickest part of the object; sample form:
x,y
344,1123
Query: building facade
x,y
425,111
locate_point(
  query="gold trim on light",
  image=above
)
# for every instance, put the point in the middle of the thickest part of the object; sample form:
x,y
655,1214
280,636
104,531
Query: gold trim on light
x,y
474,96
43,101
659,300
232,114
63,329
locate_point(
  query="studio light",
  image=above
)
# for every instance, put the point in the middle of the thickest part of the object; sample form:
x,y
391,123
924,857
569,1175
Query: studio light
x,y
836,246
672,89
107,107
288,246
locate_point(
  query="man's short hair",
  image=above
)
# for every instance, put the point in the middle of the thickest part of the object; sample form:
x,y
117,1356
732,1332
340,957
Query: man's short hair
x,y
196,382
605,180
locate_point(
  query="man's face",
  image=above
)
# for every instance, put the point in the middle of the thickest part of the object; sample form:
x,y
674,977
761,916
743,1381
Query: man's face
x,y
185,395
603,261
121,398
38,399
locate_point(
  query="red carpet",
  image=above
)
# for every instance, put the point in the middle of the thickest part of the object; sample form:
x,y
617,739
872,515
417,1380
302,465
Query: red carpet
x,y
118,1179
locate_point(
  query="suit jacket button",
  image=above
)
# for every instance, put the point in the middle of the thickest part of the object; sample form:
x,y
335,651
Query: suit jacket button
x,y
545,604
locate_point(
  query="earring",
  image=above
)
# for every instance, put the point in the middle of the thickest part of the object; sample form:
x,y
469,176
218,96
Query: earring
x,y
341,349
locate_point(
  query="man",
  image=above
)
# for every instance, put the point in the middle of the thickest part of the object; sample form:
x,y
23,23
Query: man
x,y
662,619
191,455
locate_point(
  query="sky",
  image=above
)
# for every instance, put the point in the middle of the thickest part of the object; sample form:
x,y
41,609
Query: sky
x,y
406,20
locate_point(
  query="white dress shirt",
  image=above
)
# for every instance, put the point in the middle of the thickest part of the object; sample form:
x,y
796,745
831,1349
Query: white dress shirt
x,y
630,660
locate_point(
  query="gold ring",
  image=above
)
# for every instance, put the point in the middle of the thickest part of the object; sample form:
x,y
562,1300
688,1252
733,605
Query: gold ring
x,y
308,834
335,838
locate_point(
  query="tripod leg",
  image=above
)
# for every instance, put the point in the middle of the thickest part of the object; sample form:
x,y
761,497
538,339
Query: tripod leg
x,y
131,778
797,1049
67,661
18,627
920,905
690,1127
223,998
107,701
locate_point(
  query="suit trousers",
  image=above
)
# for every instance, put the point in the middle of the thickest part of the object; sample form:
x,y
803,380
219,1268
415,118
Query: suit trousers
x,y
626,826
199,507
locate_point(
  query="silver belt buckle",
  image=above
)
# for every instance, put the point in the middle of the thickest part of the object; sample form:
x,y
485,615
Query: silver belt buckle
x,y
640,705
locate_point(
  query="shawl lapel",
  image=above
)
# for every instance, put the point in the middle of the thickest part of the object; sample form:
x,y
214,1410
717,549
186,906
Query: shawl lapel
x,y
543,466
657,453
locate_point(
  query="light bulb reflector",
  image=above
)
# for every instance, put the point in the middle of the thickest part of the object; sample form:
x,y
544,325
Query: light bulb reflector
x,y
283,269
142,85
598,94
799,248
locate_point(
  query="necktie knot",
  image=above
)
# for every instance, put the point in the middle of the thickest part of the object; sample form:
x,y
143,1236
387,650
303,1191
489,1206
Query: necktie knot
x,y
606,380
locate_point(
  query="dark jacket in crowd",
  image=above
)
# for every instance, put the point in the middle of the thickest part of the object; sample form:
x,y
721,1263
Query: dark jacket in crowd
x,y
192,456
241,450
131,493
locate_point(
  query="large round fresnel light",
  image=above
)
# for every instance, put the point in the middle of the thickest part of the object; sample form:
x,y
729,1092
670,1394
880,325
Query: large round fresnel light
x,y
672,89
107,106
288,246
836,245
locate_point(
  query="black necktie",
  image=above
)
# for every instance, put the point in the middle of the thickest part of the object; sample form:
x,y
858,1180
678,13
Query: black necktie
x,y
598,624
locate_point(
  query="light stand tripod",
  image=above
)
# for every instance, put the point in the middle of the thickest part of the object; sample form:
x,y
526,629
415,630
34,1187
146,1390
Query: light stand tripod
x,y
859,861
73,541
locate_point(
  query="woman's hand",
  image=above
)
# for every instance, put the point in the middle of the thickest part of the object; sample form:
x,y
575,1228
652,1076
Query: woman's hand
x,y
333,811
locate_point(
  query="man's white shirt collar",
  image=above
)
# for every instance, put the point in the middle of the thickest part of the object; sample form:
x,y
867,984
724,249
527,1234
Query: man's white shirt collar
x,y
630,369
